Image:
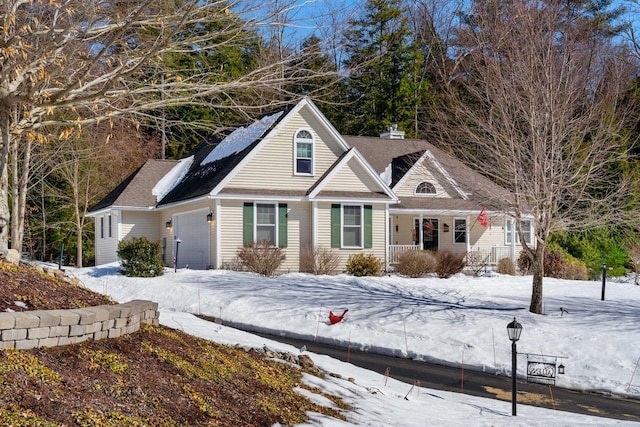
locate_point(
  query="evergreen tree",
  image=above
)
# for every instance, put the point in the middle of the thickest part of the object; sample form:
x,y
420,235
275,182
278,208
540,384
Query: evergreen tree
x,y
382,66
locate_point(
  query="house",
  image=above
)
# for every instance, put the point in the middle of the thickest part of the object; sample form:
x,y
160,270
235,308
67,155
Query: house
x,y
292,179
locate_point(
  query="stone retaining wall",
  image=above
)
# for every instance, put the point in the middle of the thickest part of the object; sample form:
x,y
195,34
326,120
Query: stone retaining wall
x,y
51,328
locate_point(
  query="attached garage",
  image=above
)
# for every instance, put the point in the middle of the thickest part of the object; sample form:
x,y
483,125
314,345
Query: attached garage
x,y
192,232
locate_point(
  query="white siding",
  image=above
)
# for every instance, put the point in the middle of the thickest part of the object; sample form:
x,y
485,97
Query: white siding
x,y
106,247
298,232
379,238
417,175
275,159
352,177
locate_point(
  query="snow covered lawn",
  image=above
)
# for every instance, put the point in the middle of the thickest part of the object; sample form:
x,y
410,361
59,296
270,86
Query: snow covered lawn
x,y
449,321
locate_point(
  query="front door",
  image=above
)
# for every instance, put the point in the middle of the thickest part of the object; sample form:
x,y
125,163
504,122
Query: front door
x,y
429,233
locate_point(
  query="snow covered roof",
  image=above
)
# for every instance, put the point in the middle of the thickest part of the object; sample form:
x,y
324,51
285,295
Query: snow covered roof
x,y
213,160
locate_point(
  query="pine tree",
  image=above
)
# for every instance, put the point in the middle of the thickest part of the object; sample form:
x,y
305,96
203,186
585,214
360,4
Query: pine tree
x,y
382,66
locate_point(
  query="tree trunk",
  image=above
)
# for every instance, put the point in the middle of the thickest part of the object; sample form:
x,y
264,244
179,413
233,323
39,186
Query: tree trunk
x,y
538,274
5,120
20,177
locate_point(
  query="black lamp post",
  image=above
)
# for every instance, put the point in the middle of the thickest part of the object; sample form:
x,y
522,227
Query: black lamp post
x,y
514,329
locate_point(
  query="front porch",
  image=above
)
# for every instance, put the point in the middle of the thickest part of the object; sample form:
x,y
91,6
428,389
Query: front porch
x,y
458,232
477,255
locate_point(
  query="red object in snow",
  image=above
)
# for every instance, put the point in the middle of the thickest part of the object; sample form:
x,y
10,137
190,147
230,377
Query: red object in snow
x,y
333,318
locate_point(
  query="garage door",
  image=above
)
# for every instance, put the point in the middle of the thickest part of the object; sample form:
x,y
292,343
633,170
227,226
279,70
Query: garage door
x,y
193,231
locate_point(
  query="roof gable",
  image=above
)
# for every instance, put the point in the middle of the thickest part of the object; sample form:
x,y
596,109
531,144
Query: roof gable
x,y
459,178
351,174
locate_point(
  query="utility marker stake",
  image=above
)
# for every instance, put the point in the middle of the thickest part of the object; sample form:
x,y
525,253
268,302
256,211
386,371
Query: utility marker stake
x,y
387,372
406,345
633,375
318,325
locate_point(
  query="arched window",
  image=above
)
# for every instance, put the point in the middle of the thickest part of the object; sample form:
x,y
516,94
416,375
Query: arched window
x,y
304,153
425,188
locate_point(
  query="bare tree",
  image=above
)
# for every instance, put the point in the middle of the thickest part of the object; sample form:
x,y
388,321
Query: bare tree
x,y
83,165
93,60
536,103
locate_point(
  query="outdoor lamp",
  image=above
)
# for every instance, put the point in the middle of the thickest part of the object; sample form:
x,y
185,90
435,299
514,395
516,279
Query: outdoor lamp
x,y
210,217
561,369
168,224
514,329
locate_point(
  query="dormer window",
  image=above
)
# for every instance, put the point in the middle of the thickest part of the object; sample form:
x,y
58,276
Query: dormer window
x,y
303,153
425,188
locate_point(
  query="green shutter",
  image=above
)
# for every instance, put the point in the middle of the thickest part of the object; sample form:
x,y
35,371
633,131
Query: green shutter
x,y
282,225
368,226
335,226
247,223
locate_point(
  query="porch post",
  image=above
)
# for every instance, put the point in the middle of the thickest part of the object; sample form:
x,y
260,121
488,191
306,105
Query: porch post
x,y
216,235
421,233
513,240
468,233
387,232
314,224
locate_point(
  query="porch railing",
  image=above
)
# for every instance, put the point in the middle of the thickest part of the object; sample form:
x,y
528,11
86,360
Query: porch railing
x,y
478,255
396,250
487,255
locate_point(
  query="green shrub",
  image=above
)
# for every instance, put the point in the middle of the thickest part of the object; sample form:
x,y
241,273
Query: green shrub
x,y
364,265
416,263
261,258
449,263
594,248
506,266
140,257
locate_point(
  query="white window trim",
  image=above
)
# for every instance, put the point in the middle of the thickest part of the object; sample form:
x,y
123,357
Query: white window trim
x,y
415,190
255,221
466,231
295,152
342,225
509,228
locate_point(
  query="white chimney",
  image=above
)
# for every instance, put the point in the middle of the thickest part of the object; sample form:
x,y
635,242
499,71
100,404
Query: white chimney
x,y
393,133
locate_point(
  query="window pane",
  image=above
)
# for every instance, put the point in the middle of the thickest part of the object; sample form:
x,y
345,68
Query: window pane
x,y
352,215
352,236
266,233
426,188
303,134
266,214
303,166
304,150
526,230
460,231
352,229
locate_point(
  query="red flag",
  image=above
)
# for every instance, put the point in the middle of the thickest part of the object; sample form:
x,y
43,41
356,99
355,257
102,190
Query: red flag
x,y
482,218
428,226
